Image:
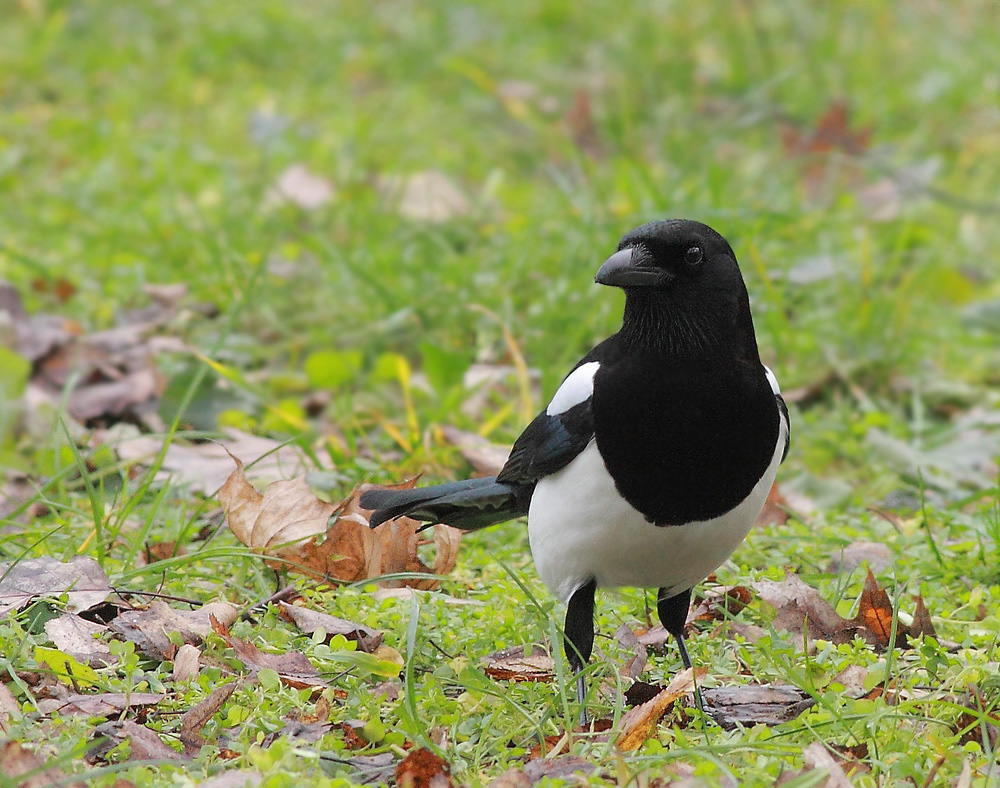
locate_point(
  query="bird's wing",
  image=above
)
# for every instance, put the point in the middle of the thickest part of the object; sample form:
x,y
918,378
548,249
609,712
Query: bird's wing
x,y
782,408
557,434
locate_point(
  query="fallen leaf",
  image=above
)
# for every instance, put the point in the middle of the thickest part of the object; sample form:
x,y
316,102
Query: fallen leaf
x,y
16,761
639,723
144,744
285,513
800,608
720,604
292,667
373,769
300,187
399,542
186,663
349,551
921,624
149,629
204,467
113,397
560,769
10,709
635,663
104,704
195,719
875,614
310,621
513,664
427,196
581,125
755,704
876,555
79,638
81,579
817,757
422,768
486,457
240,778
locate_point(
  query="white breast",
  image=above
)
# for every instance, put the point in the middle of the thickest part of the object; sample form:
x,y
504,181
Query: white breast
x,y
580,528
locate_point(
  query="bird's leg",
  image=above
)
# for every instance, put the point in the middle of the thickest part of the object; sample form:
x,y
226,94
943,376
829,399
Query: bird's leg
x,y
579,642
673,612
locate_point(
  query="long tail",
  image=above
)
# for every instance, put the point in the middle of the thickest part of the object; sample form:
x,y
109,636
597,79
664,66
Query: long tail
x,y
469,505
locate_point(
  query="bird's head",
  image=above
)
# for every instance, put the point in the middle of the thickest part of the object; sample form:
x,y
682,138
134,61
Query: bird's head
x,y
675,254
683,286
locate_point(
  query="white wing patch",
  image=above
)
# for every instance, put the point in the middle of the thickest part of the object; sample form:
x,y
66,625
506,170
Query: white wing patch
x,y
772,380
578,387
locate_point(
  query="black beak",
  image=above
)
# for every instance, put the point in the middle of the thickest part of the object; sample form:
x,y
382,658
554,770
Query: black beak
x,y
622,270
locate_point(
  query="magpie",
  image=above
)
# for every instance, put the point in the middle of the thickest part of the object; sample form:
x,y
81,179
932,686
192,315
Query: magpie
x,y
651,462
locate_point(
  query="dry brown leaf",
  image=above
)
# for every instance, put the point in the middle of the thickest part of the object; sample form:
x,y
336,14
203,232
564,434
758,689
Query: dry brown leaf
x,y
240,778
755,704
292,667
635,663
350,551
485,456
82,580
875,614
921,624
422,768
10,709
144,744
300,187
817,756
427,196
186,663
800,607
639,723
113,397
104,704
876,555
399,542
149,629
204,467
195,719
512,665
79,638
720,604
16,761
310,621
285,513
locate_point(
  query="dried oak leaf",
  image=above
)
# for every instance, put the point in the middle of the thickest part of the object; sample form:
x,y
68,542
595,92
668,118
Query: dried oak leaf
x,y
16,761
79,638
921,624
512,664
195,718
800,607
639,723
144,744
149,629
755,704
285,513
81,579
720,604
485,456
292,667
422,768
875,615
104,704
310,621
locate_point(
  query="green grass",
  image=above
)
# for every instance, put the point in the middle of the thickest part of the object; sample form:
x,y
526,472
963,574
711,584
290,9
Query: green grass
x,y
138,143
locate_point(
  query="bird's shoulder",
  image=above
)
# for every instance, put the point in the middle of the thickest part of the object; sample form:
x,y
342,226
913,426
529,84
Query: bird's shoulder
x,y
566,426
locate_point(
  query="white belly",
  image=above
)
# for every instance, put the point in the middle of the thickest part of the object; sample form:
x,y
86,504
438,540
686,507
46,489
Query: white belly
x,y
581,528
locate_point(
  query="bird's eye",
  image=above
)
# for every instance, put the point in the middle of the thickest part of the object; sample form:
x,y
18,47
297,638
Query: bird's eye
x,y
693,256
